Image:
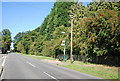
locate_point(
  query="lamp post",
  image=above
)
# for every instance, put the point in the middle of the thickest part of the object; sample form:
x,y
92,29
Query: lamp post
x,y
63,44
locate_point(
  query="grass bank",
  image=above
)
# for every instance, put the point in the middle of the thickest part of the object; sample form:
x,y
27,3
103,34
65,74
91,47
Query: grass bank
x,y
105,72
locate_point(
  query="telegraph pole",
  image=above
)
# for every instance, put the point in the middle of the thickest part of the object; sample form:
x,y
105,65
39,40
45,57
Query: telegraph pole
x,y
71,56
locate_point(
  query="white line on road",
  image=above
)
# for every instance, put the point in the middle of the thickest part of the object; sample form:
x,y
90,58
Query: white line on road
x,y
31,64
4,61
50,76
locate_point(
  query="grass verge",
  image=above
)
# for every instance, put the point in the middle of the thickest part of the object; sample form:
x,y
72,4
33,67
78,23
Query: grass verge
x,y
105,72
38,57
102,71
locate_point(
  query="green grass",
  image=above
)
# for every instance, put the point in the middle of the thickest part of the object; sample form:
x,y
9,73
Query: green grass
x,y
42,57
38,57
101,71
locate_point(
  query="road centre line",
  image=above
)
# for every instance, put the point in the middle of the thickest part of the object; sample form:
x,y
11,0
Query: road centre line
x,y
31,64
50,76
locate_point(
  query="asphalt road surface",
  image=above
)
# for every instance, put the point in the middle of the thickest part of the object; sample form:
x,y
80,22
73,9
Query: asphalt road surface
x,y
22,67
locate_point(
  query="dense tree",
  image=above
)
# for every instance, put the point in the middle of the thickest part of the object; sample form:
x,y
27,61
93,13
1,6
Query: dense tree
x,y
17,38
5,40
36,38
96,31
0,41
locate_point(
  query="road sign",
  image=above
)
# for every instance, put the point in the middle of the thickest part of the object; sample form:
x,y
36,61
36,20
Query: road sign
x,y
62,44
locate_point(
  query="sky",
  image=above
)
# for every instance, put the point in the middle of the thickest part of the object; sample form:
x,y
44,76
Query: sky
x,y
44,0
0,16
23,16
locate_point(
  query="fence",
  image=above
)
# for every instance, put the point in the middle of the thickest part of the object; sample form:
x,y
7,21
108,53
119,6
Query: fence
x,y
112,60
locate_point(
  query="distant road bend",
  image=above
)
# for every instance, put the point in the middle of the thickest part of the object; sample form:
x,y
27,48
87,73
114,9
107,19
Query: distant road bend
x,y
22,67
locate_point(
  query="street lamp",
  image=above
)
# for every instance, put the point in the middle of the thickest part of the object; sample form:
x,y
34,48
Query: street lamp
x,y
63,44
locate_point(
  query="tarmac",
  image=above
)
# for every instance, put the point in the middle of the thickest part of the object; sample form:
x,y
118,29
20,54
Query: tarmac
x,y
1,62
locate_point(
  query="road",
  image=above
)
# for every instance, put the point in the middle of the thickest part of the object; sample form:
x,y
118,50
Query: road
x,y
18,66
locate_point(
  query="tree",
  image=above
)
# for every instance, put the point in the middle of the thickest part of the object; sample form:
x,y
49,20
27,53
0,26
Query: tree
x,y
96,31
5,36
17,39
19,47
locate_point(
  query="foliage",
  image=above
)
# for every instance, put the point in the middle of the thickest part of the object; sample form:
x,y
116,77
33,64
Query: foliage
x,y
5,40
96,31
45,39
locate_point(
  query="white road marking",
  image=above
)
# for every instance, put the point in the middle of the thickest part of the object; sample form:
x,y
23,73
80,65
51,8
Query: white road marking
x,y
1,77
4,57
4,61
50,76
31,64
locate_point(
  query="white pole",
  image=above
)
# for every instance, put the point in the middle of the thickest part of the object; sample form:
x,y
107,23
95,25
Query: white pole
x,y
64,54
